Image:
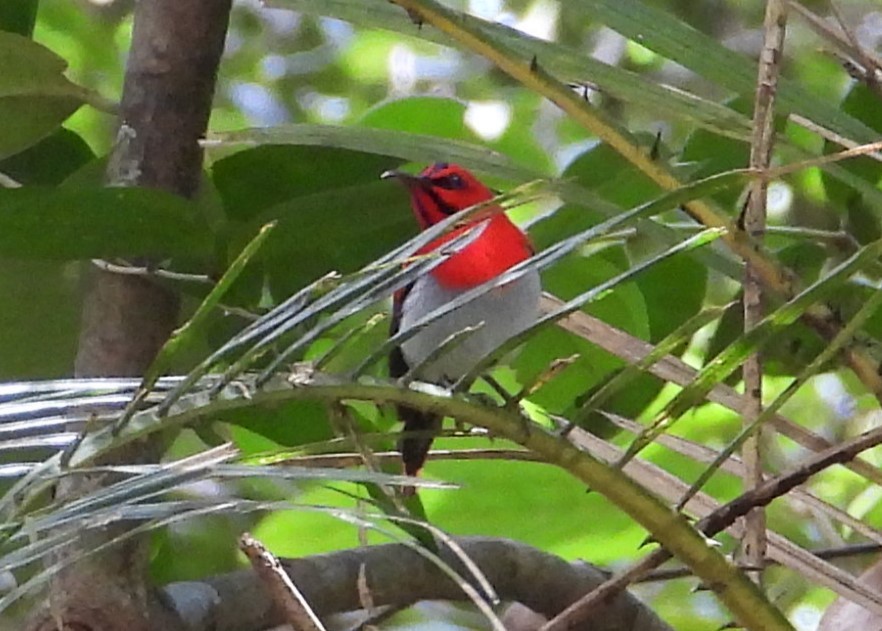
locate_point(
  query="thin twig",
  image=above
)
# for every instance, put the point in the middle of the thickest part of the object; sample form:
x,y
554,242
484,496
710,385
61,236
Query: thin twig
x,y
733,465
676,371
156,272
284,593
841,552
714,522
870,65
846,42
753,221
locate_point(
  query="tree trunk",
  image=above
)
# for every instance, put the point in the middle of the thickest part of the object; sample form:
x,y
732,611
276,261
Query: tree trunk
x,y
167,96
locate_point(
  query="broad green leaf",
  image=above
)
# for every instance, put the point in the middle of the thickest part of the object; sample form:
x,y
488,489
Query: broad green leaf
x,y
674,291
712,154
18,16
211,545
340,229
50,161
603,173
415,147
290,424
39,324
333,211
514,156
431,115
255,179
493,487
611,176
60,224
35,96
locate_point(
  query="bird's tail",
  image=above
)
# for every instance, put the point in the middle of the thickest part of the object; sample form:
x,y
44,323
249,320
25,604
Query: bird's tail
x,y
415,447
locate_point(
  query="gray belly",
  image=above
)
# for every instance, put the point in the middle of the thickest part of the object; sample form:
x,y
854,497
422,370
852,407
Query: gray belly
x,y
505,311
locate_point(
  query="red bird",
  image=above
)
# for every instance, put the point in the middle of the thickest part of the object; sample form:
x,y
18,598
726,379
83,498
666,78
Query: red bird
x,y
441,190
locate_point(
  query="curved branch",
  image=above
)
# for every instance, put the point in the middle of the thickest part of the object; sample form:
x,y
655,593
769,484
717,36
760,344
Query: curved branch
x,y
398,576
669,528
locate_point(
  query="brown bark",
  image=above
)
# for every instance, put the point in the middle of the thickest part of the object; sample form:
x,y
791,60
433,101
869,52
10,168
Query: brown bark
x,y
397,575
167,95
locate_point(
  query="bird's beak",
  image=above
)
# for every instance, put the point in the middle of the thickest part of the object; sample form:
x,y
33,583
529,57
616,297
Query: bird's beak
x,y
410,181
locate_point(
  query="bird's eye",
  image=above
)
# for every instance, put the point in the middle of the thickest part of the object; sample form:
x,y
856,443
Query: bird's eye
x,y
450,182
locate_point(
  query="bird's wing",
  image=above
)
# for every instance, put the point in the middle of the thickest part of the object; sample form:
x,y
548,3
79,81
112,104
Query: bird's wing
x,y
397,365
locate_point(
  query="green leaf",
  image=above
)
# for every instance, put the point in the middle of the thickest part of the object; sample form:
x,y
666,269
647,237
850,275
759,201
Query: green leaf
x,y
607,173
431,115
333,211
35,96
624,307
290,424
39,324
393,142
50,161
673,291
255,179
660,31
18,16
340,229
571,64
712,154
481,503
59,224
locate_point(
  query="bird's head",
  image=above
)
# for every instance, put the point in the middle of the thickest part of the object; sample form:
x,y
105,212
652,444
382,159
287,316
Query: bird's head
x,y
441,190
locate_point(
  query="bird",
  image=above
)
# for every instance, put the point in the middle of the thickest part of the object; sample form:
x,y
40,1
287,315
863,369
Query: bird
x,y
439,191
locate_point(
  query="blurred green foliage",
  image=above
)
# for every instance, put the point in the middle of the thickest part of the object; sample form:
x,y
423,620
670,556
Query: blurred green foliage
x,y
334,214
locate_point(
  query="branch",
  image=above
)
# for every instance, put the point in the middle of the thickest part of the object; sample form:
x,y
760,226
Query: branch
x,y
669,528
167,95
753,221
675,370
295,609
716,517
398,576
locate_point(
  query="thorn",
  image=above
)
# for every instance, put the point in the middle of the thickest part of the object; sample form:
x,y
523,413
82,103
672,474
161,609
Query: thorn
x,y
564,431
562,426
655,152
69,451
534,64
502,392
649,540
